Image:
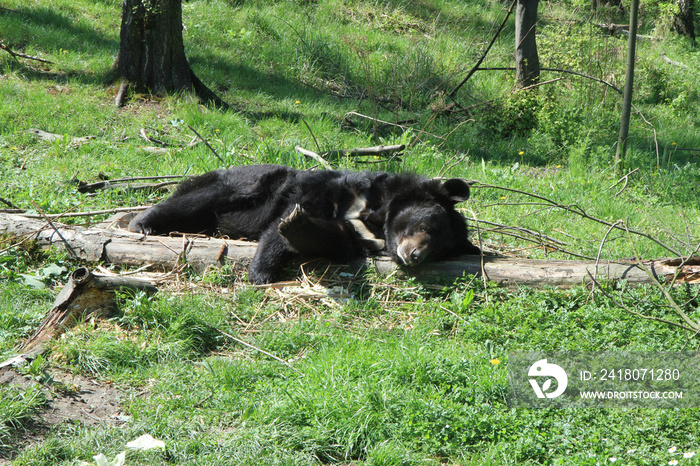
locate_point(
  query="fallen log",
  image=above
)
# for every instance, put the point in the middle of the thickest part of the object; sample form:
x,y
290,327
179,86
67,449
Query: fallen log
x,y
118,246
512,272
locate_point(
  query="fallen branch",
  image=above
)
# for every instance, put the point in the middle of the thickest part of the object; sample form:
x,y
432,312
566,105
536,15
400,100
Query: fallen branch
x,y
66,243
8,203
154,187
206,143
21,55
84,187
44,136
248,345
625,179
672,62
89,213
373,120
557,70
314,156
123,247
379,151
633,312
690,322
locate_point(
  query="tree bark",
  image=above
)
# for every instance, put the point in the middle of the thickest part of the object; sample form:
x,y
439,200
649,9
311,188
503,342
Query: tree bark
x,y
151,49
527,61
684,20
151,55
123,247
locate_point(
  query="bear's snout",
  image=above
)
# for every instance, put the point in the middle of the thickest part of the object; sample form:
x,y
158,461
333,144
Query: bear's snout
x,y
412,250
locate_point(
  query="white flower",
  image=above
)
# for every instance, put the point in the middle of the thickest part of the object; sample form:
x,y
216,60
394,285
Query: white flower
x,y
613,459
629,452
688,454
672,450
673,462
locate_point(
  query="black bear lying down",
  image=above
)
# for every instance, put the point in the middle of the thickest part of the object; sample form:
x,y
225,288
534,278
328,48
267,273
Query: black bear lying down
x,y
331,214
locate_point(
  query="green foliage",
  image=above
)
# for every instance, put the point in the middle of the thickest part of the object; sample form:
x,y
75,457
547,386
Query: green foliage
x,y
406,372
17,407
516,114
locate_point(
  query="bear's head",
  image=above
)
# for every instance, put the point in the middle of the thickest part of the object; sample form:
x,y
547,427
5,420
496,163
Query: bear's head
x,y
422,223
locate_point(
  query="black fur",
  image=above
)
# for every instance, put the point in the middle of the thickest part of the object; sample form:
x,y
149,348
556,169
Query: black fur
x,y
336,215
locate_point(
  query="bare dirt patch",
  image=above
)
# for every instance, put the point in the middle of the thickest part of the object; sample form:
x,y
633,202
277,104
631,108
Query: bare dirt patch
x,y
71,398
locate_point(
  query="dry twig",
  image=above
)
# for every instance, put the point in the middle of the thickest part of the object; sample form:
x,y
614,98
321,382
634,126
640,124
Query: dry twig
x,y
207,144
14,54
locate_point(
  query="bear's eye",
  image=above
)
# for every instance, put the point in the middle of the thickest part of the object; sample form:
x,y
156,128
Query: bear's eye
x,y
422,228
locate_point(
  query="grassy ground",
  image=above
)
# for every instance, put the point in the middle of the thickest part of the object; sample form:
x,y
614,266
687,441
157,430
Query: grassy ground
x,y
402,372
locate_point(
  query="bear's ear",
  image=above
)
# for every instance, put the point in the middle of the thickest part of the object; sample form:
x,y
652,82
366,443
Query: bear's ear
x,y
457,189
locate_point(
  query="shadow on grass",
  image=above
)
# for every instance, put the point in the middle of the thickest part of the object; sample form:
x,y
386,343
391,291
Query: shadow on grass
x,y
222,76
52,32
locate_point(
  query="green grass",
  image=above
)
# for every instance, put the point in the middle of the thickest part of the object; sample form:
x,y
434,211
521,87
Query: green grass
x,y
403,372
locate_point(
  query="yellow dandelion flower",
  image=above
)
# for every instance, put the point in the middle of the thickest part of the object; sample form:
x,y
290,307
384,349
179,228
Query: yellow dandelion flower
x,y
495,361
521,152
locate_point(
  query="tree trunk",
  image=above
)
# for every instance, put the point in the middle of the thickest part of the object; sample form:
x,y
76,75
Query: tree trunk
x,y
627,93
122,247
527,61
684,20
151,55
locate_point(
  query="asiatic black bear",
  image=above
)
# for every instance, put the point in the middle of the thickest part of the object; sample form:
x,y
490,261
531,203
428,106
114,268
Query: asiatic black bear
x,y
336,215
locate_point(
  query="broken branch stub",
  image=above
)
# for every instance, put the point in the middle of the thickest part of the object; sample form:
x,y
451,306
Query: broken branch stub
x,y
85,294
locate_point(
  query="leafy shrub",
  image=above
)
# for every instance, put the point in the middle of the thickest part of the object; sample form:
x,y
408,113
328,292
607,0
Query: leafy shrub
x,y
514,114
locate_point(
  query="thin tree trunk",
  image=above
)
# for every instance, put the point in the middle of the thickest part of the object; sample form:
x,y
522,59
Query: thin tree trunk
x,y
527,61
627,93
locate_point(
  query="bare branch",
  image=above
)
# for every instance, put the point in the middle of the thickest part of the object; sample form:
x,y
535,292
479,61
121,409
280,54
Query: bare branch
x,y
207,144
483,56
14,54
574,209
313,155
